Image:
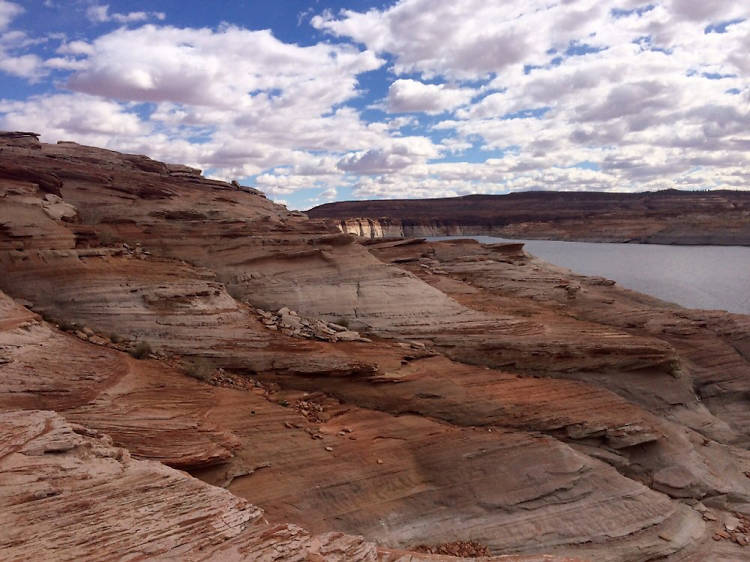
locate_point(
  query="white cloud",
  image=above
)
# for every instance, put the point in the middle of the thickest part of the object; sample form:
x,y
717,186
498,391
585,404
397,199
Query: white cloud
x,y
643,93
99,13
407,96
442,38
8,11
400,154
80,117
76,48
24,65
219,68
329,194
475,38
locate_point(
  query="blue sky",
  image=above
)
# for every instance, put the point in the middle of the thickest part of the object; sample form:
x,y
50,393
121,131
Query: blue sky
x,y
320,101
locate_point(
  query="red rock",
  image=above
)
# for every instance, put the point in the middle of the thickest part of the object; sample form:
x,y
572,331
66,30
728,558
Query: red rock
x,y
489,407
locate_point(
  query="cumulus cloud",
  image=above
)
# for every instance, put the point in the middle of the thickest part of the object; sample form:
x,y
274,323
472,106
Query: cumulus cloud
x,y
475,38
410,96
23,65
442,38
637,95
90,119
231,67
402,153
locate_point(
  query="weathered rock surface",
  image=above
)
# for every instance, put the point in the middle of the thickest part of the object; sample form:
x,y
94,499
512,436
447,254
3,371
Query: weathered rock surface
x,y
67,494
417,394
407,481
661,217
132,401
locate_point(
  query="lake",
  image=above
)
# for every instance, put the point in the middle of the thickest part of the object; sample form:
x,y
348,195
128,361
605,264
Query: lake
x,y
712,277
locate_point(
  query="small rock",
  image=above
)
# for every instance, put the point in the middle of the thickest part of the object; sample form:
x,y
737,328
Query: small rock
x,y
329,449
731,523
349,335
380,461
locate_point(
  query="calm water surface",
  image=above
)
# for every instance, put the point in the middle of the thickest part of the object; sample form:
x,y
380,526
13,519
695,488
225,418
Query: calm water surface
x,y
692,276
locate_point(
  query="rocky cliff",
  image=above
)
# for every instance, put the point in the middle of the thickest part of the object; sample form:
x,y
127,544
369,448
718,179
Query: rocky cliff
x,y
189,371
661,217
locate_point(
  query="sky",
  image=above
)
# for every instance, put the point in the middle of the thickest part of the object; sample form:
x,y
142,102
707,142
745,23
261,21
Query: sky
x,y
321,101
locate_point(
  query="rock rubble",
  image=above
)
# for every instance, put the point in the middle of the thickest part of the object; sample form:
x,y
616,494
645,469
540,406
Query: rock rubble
x,y
289,323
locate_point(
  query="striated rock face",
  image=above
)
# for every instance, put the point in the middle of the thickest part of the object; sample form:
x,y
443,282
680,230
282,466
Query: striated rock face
x,y
67,494
661,217
370,400
132,401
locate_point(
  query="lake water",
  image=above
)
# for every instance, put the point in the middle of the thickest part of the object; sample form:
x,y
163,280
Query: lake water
x,y
712,277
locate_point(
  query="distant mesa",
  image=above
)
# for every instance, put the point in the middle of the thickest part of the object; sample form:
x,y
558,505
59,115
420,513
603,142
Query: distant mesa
x,y
671,216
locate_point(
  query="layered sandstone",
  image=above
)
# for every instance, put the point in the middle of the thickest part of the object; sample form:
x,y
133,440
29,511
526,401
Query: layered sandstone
x,y
660,217
67,494
473,395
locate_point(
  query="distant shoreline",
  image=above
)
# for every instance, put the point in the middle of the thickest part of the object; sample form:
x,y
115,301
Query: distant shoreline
x,y
671,217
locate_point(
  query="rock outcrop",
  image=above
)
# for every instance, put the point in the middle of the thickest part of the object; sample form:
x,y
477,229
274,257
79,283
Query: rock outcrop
x,y
660,217
355,402
67,494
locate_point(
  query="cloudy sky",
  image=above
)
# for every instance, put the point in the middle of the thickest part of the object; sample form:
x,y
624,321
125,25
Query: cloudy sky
x,y
333,100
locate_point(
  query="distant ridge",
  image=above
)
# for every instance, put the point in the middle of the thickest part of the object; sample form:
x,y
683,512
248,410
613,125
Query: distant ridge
x,y
669,216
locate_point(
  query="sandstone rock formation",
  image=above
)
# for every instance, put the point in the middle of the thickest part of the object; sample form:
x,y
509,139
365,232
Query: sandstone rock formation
x,y
67,494
356,402
661,217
